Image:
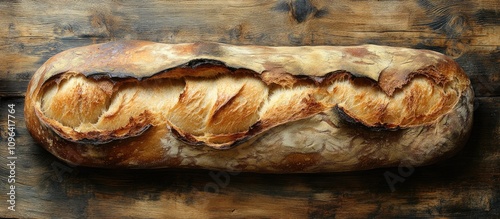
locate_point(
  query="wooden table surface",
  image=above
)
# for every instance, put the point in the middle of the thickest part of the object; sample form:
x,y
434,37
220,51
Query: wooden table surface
x,y
467,185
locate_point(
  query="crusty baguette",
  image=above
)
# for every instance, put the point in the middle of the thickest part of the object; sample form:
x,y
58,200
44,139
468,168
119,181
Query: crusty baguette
x,y
138,104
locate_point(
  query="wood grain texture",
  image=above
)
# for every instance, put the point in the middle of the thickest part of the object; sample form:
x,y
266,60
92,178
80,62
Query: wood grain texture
x,y
466,185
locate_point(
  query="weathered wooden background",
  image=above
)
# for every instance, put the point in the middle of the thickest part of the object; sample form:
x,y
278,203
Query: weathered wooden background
x,y
467,185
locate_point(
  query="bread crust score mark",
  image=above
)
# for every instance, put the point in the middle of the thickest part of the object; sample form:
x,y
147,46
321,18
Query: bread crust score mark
x,y
222,96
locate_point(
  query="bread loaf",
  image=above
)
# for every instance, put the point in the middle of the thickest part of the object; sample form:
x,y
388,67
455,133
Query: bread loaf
x,y
137,104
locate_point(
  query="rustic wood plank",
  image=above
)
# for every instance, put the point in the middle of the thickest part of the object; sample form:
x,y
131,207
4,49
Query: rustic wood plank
x,y
13,88
464,185
467,185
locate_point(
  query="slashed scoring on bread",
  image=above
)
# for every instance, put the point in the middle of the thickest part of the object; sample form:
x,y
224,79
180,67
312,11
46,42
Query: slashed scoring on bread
x,y
228,105
137,103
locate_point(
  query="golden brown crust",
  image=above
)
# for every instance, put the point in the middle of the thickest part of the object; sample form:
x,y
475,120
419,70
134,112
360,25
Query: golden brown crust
x,y
135,103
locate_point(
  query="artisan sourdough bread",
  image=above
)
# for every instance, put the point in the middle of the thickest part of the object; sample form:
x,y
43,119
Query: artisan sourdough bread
x,y
138,104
